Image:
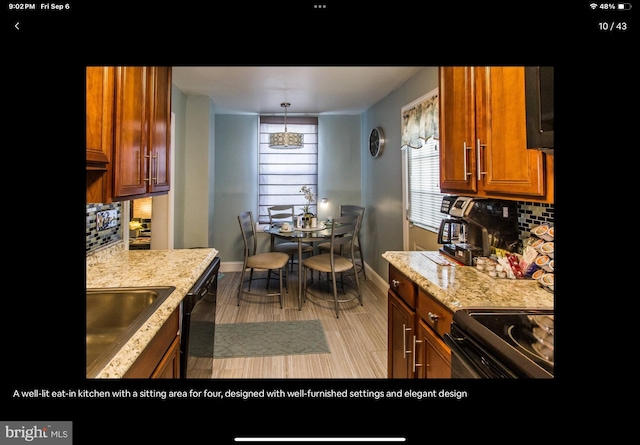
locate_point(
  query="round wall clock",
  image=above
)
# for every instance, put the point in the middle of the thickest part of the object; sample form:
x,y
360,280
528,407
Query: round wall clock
x,y
376,142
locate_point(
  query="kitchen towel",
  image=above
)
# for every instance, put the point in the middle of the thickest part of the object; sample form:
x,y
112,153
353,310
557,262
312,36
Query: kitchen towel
x,y
270,338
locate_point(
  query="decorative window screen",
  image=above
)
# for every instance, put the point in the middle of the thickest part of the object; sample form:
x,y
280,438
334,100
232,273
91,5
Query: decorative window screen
x,y
281,173
420,137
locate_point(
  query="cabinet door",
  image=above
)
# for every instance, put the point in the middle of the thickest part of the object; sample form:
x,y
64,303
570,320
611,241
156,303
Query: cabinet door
x,y
435,356
506,165
160,128
401,331
457,129
131,134
99,116
160,357
100,96
169,366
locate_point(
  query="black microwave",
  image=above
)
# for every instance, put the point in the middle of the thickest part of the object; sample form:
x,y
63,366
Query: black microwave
x,y
540,107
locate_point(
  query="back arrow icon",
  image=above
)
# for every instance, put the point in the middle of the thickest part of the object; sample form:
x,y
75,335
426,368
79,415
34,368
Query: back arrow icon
x,y
16,25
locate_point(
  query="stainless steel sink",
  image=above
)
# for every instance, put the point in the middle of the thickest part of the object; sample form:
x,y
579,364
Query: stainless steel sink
x,y
113,317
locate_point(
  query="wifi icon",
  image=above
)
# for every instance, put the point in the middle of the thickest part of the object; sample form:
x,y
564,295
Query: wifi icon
x,y
593,5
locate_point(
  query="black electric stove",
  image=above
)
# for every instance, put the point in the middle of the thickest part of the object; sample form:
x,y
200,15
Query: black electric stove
x,y
502,343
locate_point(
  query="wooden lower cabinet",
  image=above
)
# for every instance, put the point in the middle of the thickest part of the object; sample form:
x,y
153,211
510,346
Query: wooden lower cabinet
x,y
401,332
417,323
169,366
434,356
161,358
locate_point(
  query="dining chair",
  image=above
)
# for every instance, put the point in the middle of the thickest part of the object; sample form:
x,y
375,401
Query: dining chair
x,y
277,215
253,260
347,210
336,261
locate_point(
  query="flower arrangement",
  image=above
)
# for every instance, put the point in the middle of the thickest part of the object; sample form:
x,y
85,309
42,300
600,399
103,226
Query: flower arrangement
x,y
308,195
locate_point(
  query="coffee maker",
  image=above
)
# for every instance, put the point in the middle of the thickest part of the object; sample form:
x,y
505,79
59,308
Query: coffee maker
x,y
473,226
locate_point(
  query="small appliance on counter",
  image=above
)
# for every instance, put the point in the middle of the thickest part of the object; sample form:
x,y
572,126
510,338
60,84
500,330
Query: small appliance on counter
x,y
474,225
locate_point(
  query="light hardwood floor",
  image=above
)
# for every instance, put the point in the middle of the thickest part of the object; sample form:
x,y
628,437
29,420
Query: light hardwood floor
x,y
357,340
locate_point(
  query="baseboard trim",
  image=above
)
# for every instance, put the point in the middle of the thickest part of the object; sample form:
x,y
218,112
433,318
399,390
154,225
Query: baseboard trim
x,y
378,281
231,266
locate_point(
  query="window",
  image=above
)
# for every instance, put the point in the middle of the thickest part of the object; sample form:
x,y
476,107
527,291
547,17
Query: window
x,y
420,137
424,185
281,173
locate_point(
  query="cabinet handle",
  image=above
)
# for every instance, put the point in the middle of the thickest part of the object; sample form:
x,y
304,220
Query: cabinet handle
x,y
465,148
415,365
433,317
155,179
138,164
395,283
480,171
149,178
404,340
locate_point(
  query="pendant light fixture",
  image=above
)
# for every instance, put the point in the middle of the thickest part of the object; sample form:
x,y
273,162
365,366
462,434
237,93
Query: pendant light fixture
x,y
286,140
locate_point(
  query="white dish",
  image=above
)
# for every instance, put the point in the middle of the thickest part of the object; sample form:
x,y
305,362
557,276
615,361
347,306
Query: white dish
x,y
285,231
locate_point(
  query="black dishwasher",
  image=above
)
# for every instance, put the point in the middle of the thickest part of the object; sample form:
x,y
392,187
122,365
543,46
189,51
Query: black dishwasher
x,y
205,287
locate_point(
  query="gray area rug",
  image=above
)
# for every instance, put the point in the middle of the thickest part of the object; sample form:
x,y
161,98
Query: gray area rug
x,y
269,338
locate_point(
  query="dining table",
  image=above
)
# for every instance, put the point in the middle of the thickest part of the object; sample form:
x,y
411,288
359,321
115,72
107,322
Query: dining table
x,y
300,235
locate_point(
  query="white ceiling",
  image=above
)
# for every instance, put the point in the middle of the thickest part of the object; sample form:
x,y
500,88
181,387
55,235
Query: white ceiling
x,y
309,90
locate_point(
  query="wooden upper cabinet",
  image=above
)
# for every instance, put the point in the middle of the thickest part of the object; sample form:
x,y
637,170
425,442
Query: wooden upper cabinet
x,y
483,136
131,123
507,165
142,131
160,129
99,90
457,130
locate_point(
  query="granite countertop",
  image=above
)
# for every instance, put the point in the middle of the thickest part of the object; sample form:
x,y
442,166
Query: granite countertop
x,y
459,287
124,268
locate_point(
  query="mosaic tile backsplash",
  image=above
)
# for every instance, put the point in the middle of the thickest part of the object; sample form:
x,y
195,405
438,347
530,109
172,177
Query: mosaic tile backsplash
x,y
96,239
530,214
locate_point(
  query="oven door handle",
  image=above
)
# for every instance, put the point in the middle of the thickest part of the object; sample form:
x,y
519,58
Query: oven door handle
x,y
464,359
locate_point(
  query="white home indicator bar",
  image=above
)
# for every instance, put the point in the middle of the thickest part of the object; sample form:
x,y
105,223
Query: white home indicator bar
x,y
320,439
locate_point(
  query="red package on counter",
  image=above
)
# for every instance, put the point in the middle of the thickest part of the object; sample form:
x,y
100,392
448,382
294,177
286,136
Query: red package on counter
x,y
514,262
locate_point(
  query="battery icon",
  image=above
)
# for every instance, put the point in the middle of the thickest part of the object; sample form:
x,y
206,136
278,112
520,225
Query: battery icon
x,y
624,6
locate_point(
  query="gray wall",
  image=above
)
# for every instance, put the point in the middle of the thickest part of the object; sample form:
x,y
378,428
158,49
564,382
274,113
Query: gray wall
x,y
236,183
382,176
179,108
236,172
219,152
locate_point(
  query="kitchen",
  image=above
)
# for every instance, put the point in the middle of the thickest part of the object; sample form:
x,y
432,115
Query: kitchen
x,y
203,219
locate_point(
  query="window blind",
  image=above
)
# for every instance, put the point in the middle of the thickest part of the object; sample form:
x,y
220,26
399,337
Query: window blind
x,y
282,172
424,185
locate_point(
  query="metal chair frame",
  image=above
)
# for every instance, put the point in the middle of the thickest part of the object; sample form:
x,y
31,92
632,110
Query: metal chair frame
x,y
277,215
346,210
343,231
269,261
